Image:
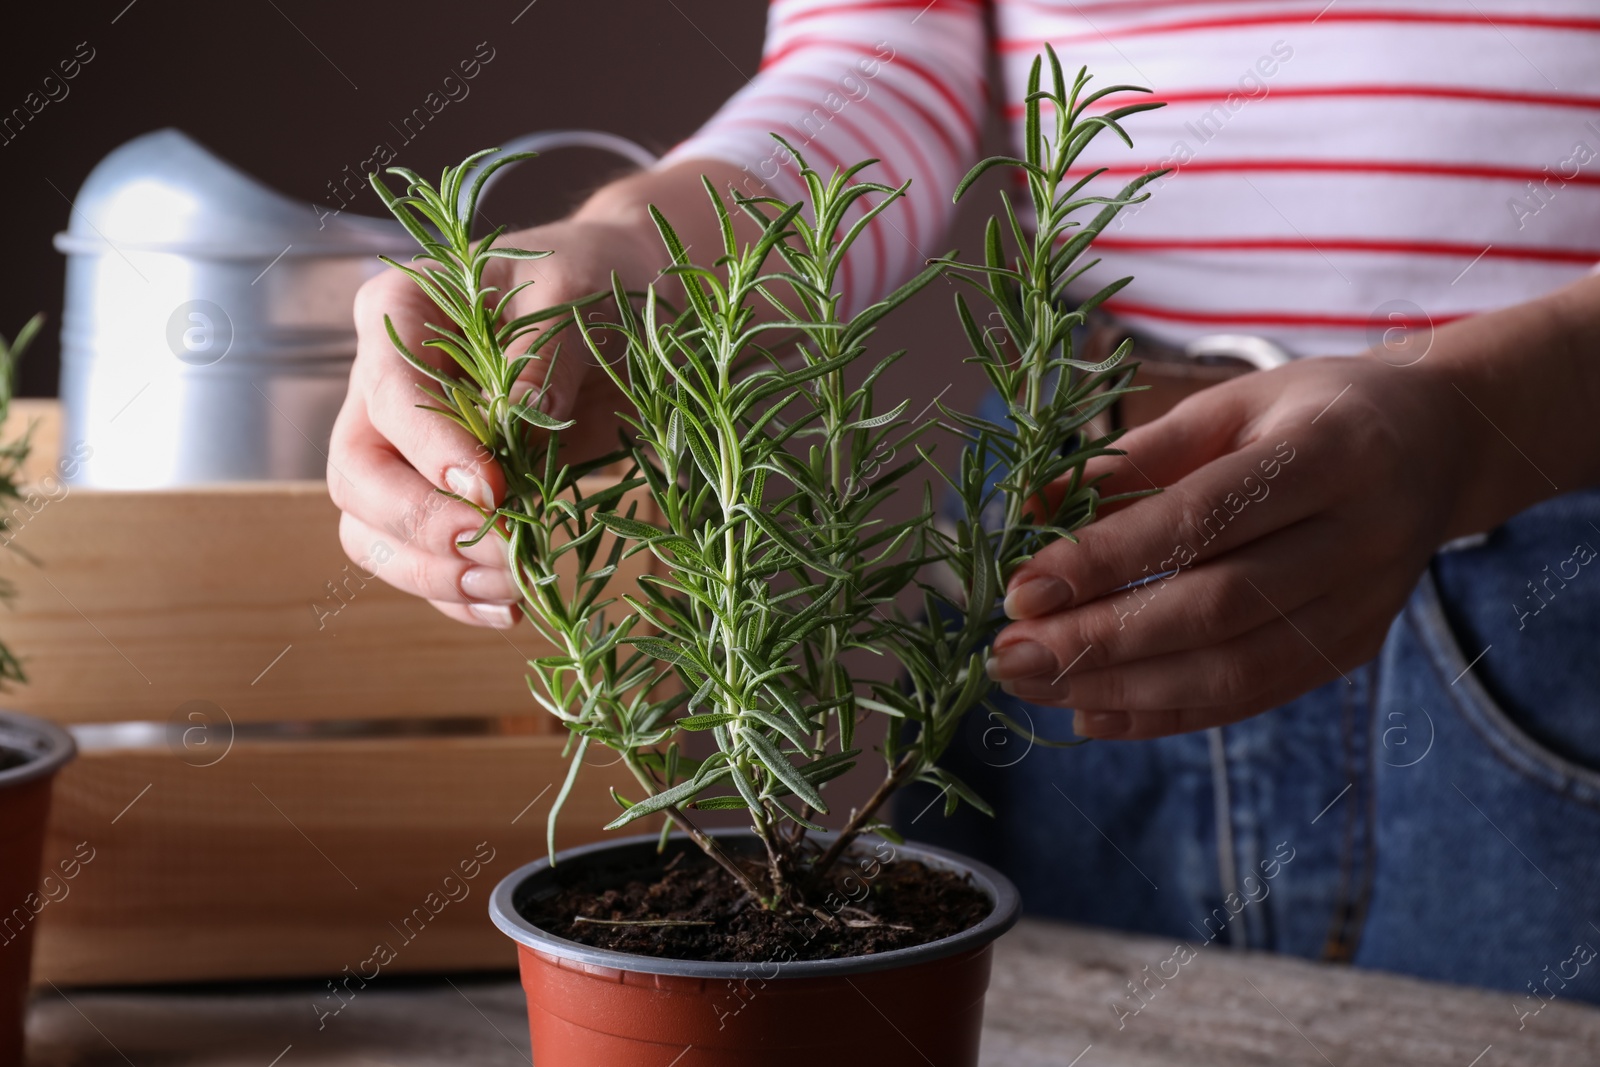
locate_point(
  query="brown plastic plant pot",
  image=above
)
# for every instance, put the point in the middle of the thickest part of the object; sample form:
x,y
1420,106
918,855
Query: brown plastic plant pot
x,y
24,810
907,1008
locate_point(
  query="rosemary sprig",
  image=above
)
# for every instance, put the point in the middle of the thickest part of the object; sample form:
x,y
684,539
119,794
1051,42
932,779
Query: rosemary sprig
x,y
602,689
1034,460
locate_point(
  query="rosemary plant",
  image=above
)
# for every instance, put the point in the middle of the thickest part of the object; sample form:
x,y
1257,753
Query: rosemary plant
x,y
751,470
13,454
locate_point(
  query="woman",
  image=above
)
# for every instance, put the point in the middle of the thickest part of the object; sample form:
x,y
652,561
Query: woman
x,y
1364,684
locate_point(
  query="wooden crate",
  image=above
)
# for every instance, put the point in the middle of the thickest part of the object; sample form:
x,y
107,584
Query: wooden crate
x,y
346,749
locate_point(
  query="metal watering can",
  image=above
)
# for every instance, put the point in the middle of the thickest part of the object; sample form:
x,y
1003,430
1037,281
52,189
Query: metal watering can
x,y
207,334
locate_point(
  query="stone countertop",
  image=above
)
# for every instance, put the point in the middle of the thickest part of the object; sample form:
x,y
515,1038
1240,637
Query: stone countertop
x,y
1049,1006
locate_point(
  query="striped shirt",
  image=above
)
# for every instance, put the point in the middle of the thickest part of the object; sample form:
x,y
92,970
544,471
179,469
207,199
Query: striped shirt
x,y
1339,168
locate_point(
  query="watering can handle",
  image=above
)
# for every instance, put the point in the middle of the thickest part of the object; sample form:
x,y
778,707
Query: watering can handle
x,y
548,139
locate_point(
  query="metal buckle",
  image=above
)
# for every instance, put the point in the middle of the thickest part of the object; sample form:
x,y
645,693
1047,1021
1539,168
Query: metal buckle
x,y
1259,352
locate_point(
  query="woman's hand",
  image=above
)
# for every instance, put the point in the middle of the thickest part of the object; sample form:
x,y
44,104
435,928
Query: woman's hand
x,y
388,457
1299,508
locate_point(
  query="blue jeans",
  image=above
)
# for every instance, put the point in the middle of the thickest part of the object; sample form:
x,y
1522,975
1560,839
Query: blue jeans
x,y
1437,815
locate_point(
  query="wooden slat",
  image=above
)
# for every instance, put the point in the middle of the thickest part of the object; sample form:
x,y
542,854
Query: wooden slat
x,y
241,595
294,858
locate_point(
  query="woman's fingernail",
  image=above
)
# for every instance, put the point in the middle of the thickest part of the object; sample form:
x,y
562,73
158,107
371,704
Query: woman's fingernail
x,y
496,615
489,585
469,486
1037,596
1021,660
1100,723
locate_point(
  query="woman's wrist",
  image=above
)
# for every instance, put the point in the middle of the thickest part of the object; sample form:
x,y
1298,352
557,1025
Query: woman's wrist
x,y
630,236
677,191
1515,392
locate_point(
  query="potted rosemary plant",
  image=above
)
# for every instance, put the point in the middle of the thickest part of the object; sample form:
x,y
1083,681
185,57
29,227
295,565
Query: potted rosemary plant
x,y
31,751
749,472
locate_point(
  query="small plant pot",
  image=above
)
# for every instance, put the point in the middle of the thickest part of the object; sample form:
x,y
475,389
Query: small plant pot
x,y
42,749
590,1006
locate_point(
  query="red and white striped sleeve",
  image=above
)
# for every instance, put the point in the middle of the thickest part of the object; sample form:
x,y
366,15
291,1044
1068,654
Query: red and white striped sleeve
x,y
900,81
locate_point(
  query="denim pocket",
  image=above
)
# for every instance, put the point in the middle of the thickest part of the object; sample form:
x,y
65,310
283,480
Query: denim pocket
x,y
1546,759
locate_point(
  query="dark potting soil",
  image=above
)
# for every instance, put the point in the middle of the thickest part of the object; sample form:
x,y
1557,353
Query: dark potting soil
x,y
903,905
10,757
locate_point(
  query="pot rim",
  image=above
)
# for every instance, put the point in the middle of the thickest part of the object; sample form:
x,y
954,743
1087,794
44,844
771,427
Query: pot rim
x,y
48,745
1004,915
